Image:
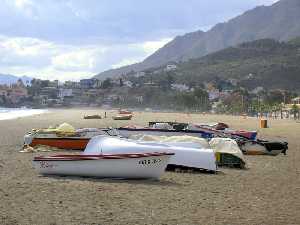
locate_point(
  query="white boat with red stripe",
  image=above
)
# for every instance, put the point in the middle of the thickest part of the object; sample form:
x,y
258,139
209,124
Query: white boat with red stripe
x,y
127,166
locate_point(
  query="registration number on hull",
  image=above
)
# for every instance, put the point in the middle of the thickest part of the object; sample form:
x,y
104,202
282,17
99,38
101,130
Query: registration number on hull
x,y
149,161
45,164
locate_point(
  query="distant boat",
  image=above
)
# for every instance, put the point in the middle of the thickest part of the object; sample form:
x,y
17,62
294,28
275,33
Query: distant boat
x,y
127,166
92,117
124,111
123,117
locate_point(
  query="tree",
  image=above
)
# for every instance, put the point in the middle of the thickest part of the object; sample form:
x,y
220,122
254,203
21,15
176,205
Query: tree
x,y
106,83
121,82
295,110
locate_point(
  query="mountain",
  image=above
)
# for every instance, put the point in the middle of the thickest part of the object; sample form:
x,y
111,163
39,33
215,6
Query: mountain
x,y
279,21
11,79
266,62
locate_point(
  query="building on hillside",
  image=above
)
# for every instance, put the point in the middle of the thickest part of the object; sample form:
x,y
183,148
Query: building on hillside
x,y
65,92
90,83
54,83
180,87
233,81
3,90
213,95
50,92
71,84
139,74
16,92
296,101
128,83
210,86
257,90
170,67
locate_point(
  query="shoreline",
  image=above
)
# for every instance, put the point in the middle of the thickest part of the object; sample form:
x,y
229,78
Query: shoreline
x,y
15,113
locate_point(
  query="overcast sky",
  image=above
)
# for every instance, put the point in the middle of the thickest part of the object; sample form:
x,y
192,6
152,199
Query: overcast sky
x,y
75,39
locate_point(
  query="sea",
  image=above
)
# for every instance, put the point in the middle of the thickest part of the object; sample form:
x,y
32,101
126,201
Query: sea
x,y
13,113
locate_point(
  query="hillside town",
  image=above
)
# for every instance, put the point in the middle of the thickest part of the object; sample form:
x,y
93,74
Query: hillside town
x,y
153,89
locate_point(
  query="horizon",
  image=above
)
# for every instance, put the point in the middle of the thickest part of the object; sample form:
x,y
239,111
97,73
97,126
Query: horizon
x,y
71,46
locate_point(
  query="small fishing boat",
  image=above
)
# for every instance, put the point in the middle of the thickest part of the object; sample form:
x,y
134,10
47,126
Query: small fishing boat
x,y
123,117
163,129
64,136
127,166
226,150
92,117
219,128
124,111
262,147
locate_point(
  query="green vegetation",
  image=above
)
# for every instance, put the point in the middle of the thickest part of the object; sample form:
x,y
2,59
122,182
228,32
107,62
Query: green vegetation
x,y
272,65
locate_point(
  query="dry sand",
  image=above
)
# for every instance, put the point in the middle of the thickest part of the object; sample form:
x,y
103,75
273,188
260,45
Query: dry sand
x,y
266,193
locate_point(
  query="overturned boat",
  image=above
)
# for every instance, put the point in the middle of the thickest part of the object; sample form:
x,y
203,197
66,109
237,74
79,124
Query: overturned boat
x,y
128,166
163,129
226,150
185,154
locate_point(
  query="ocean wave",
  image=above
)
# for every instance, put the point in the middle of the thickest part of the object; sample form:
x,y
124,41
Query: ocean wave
x,y
13,113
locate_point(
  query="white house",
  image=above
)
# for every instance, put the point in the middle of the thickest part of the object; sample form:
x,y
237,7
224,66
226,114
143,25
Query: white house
x,y
180,87
215,94
140,74
256,90
128,83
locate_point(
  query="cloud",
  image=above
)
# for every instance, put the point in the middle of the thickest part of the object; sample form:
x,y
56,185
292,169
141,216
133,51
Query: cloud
x,y
72,39
114,21
48,60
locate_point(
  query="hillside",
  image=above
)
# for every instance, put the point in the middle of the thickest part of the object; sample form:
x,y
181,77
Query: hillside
x,y
279,21
270,63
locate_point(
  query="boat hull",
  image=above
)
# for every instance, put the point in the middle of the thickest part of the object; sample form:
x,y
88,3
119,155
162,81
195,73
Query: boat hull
x,y
63,143
251,148
127,166
76,141
185,154
123,117
128,132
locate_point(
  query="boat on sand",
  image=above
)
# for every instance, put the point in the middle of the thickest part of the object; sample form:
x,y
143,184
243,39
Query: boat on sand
x,y
64,136
246,140
262,147
226,150
123,117
127,166
186,155
124,111
92,117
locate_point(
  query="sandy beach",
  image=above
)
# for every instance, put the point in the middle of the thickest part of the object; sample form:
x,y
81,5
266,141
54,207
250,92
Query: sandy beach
x,y
265,193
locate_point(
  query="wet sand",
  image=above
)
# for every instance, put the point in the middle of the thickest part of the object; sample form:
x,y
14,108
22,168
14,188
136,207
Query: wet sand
x,y
268,192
